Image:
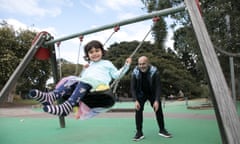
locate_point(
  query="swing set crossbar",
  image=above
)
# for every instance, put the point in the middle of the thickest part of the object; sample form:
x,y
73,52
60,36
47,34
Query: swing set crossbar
x,y
121,23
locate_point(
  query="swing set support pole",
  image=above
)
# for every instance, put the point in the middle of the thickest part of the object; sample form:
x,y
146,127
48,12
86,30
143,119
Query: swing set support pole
x,y
225,110
121,23
56,78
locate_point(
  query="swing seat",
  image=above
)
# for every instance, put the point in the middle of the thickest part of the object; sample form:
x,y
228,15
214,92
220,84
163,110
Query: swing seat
x,y
104,99
93,104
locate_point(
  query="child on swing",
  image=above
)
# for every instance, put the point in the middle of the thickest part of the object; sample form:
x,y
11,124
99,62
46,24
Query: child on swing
x,y
98,72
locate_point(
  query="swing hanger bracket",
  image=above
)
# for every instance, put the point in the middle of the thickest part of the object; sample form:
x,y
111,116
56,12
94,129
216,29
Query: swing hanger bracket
x,y
81,38
156,19
116,28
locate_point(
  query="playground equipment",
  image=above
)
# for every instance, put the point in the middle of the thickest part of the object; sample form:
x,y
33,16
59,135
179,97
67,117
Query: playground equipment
x,y
225,110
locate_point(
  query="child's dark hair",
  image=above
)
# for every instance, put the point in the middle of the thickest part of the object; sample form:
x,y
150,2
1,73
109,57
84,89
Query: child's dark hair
x,y
90,45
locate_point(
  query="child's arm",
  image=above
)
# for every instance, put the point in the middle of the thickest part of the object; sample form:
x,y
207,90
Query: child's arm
x,y
125,68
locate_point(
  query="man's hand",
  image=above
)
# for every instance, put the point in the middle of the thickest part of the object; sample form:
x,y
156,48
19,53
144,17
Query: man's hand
x,y
156,106
137,105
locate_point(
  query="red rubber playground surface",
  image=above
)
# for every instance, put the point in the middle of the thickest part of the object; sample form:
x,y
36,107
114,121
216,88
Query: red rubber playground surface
x,y
28,125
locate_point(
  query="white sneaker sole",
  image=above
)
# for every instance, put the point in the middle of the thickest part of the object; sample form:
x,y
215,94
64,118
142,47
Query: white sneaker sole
x,y
164,135
142,137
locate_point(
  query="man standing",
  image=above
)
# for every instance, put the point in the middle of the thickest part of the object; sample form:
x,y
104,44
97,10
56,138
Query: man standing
x,y
145,85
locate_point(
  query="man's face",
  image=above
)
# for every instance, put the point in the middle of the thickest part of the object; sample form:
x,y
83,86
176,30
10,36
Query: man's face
x,y
143,64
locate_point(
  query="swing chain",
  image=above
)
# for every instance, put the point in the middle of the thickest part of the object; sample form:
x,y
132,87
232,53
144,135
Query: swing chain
x,y
78,57
116,82
60,60
116,28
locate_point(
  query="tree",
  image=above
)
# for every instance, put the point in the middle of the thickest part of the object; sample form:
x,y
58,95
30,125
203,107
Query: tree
x,y
160,28
7,55
187,48
68,68
14,45
222,19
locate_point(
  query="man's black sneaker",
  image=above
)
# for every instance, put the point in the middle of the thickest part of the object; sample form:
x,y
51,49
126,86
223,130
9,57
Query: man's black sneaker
x,y
164,133
138,136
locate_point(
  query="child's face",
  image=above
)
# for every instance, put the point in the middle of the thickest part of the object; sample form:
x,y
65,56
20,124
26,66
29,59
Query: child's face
x,y
95,54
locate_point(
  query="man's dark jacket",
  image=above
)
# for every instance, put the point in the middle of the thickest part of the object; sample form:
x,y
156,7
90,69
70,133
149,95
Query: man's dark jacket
x,y
153,77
